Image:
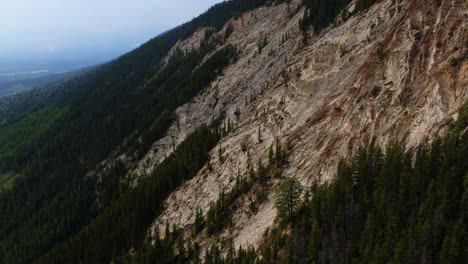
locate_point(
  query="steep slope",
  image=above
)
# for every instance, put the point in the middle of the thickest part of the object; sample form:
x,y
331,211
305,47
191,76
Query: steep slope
x,y
126,104
128,101
195,130
396,72
383,206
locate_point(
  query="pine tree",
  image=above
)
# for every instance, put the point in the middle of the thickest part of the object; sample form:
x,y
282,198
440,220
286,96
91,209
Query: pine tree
x,y
198,224
278,154
259,134
261,172
181,251
196,253
211,219
270,155
288,199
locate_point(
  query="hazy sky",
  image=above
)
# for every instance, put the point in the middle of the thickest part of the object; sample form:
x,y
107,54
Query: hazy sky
x,y
87,29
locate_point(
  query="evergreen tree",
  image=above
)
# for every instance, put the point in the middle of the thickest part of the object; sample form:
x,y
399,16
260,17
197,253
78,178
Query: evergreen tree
x,y
198,224
261,172
288,198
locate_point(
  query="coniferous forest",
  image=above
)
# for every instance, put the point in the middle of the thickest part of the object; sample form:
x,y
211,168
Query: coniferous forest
x,y
384,206
45,198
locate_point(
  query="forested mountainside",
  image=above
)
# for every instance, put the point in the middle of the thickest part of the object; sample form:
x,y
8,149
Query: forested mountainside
x,y
287,131
384,206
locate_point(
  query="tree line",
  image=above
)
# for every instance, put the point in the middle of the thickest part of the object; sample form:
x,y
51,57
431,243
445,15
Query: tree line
x,y
319,14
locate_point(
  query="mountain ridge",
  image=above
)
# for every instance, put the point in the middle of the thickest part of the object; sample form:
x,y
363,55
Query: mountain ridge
x,y
276,94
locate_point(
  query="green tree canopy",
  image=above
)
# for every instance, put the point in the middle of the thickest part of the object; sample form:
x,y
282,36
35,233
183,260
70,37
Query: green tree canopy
x,y
288,198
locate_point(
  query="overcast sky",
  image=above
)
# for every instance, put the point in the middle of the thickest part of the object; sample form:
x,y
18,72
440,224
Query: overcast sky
x,y
87,29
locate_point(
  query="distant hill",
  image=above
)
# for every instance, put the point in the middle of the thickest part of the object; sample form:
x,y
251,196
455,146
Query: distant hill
x,y
17,86
21,75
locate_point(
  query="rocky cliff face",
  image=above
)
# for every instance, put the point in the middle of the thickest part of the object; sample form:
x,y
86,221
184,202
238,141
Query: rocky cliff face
x,y
395,72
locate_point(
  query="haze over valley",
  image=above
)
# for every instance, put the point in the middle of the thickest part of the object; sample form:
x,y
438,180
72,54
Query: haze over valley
x,y
18,75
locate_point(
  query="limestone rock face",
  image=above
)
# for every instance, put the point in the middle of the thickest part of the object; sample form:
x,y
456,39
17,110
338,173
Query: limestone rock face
x,y
394,73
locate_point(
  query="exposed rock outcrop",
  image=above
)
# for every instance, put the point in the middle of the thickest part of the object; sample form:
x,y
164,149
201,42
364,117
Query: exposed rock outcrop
x,y
396,72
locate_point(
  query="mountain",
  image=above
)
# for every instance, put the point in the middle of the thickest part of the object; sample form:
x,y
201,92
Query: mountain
x,y
259,132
